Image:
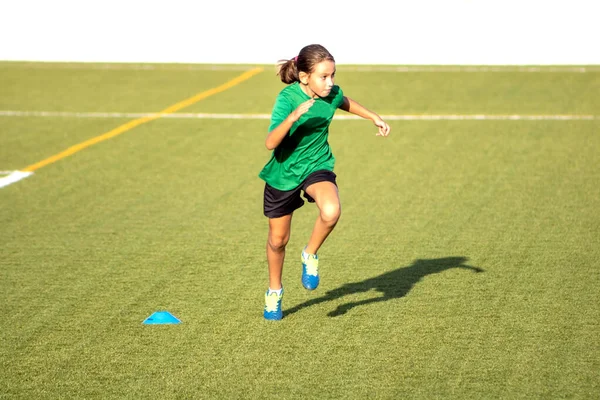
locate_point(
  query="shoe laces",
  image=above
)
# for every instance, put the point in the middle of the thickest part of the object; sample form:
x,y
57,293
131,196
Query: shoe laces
x,y
272,302
311,264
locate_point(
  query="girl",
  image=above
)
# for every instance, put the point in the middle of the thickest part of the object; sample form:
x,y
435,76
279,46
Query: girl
x,y
302,162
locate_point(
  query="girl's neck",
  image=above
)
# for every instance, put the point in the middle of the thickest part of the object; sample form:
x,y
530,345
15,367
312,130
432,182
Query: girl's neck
x,y
307,90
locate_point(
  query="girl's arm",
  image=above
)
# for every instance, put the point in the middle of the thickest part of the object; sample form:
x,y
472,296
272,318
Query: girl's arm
x,y
353,107
275,137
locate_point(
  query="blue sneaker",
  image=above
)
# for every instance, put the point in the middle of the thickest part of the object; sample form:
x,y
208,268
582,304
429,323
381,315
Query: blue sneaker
x,y
273,306
310,271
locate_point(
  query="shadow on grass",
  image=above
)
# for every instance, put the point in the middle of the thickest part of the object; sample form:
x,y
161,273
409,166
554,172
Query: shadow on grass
x,y
393,285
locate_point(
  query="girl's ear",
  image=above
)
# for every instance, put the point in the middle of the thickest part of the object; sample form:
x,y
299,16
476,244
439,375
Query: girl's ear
x,y
303,76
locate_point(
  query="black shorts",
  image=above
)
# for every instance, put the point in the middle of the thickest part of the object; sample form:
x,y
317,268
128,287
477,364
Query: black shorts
x,y
278,203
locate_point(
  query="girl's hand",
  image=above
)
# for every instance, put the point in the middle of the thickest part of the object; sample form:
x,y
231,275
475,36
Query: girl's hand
x,y
384,129
302,109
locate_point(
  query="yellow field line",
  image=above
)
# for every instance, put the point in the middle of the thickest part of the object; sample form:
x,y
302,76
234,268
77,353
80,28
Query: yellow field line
x,y
136,122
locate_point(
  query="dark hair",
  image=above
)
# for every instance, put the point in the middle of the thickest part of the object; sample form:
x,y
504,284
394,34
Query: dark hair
x,y
305,61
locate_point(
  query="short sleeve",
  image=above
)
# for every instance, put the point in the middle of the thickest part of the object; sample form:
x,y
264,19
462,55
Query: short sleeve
x,y
281,110
339,98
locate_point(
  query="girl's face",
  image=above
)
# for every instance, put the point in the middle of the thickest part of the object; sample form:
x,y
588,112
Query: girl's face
x,y
320,81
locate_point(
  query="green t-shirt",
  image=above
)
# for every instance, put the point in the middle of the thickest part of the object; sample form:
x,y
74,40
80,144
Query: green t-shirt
x,y
305,149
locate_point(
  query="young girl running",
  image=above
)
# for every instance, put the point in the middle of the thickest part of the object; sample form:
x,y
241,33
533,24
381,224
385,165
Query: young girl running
x,y
302,162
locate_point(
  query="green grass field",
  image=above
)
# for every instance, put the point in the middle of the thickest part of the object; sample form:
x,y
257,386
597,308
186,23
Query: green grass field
x,y
465,264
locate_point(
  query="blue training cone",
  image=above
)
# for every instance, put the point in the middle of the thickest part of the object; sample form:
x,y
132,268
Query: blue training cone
x,y
161,317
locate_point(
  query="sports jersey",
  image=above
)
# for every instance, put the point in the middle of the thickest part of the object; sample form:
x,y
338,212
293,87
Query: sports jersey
x,y
305,149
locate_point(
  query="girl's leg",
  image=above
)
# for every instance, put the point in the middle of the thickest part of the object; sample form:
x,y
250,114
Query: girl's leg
x,y
279,235
327,198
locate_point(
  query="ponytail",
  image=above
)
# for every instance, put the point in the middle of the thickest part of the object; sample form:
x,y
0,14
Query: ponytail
x,y
288,71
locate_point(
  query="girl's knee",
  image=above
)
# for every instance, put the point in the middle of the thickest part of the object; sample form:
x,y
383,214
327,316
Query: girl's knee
x,y
330,212
276,242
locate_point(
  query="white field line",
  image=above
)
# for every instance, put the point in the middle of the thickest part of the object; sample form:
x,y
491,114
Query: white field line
x,y
401,117
465,68
127,67
12,177
342,67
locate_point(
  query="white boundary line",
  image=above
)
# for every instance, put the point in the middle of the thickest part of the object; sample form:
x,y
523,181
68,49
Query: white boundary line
x,y
402,117
12,177
458,68
126,67
342,67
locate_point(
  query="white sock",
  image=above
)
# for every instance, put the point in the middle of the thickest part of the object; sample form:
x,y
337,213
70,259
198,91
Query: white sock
x,y
307,255
278,291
